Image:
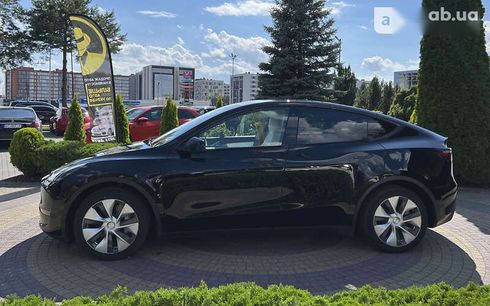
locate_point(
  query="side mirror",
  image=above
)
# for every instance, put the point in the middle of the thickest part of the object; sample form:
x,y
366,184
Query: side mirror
x,y
193,145
142,120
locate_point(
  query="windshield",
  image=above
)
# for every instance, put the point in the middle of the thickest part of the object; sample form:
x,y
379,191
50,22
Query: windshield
x,y
14,113
133,113
182,129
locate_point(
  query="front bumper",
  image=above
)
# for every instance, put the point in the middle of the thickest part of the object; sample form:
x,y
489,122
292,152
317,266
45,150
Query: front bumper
x,y
51,214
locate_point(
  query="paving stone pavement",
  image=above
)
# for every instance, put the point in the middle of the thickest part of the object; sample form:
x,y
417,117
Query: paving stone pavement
x,y
6,168
312,258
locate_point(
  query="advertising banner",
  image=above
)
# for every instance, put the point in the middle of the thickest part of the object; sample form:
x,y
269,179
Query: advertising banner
x,y
95,60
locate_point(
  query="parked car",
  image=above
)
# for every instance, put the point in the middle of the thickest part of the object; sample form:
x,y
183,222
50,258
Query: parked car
x,y
13,119
260,163
29,103
44,112
58,123
204,109
144,121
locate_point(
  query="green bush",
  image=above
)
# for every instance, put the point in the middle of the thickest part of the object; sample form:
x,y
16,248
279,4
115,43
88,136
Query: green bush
x,y
122,123
22,150
219,102
52,155
454,88
403,104
252,294
170,117
75,129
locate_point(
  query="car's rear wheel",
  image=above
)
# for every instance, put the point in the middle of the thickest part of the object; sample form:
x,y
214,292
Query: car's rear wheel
x,y
111,223
394,219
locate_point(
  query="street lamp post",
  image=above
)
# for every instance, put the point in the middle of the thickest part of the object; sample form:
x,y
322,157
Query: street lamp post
x,y
340,50
158,92
233,56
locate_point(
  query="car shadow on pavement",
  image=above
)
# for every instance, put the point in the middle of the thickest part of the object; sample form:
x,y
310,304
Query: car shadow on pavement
x,y
313,259
7,196
474,204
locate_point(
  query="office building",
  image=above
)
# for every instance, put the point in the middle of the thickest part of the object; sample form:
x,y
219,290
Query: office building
x,y
159,82
405,79
226,90
27,83
207,89
244,87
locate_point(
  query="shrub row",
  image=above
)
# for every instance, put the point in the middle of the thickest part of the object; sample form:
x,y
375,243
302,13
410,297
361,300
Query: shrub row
x,y
34,156
252,294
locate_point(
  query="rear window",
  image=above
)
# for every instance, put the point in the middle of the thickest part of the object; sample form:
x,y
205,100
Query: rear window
x,y
379,128
16,113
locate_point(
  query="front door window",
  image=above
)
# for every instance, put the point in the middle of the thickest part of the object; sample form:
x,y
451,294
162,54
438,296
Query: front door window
x,y
260,128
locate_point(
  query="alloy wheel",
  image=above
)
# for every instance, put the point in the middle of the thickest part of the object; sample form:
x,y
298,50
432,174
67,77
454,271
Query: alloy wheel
x,y
397,221
110,226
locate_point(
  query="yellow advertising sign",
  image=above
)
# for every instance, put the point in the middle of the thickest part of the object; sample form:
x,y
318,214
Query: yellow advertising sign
x,y
95,60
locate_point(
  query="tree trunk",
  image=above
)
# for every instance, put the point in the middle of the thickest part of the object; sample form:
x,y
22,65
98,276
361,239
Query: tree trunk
x,y
63,77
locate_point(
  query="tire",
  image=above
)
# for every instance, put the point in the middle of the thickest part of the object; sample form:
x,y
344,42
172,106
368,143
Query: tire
x,y
389,230
124,231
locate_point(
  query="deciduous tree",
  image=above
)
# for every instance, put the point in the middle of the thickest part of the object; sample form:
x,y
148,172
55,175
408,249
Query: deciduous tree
x,y
50,28
15,44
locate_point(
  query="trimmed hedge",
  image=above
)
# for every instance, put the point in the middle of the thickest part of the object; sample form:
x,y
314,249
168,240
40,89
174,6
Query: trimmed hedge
x,y
53,155
22,150
35,156
252,294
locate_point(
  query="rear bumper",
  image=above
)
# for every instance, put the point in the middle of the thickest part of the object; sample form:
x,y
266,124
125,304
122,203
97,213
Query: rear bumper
x,y
444,208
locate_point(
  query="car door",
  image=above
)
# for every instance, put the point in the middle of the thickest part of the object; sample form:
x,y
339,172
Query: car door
x,y
332,156
239,174
150,128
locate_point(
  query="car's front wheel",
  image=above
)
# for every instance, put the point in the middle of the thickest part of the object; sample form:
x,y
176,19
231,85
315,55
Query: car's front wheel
x,y
394,219
111,223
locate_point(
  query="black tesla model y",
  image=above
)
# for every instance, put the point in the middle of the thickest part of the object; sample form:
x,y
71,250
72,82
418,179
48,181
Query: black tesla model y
x,y
260,163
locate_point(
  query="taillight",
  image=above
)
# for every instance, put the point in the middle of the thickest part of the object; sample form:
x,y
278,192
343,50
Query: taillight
x,y
446,154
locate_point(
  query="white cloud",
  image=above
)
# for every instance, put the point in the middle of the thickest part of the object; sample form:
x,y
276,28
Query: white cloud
x,y
213,63
384,67
180,27
336,7
364,28
158,14
221,44
379,64
133,57
242,8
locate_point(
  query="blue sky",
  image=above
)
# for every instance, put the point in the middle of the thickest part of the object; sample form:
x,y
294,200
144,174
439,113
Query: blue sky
x,y
202,33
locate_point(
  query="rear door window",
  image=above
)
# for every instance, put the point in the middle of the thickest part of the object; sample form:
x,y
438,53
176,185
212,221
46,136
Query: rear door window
x,y
323,125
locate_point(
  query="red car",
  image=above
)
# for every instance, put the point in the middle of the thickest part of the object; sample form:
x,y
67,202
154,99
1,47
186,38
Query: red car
x,y
144,121
58,123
